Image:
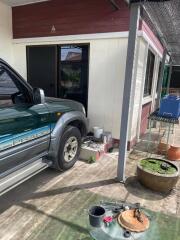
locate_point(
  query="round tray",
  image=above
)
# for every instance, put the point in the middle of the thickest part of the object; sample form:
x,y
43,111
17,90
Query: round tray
x,y
127,220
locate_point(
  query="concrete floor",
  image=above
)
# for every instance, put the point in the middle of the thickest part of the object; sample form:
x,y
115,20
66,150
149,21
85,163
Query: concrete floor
x,y
54,205
49,205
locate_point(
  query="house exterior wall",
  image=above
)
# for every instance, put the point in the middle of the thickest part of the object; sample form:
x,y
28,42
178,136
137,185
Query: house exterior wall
x,y
106,78
69,17
146,109
106,31
6,33
107,72
107,62
149,102
141,106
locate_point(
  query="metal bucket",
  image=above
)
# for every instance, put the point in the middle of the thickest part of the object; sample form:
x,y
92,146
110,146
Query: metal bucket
x,y
96,214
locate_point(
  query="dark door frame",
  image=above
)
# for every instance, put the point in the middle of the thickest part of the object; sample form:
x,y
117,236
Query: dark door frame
x,y
58,63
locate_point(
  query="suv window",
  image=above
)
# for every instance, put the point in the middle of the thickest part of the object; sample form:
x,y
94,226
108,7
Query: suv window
x,y
9,87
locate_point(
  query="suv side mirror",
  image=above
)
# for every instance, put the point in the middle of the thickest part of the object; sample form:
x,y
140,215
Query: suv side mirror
x,y
38,96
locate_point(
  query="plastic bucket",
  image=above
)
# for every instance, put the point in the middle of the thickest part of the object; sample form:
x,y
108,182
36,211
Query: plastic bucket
x,y
107,137
96,214
97,132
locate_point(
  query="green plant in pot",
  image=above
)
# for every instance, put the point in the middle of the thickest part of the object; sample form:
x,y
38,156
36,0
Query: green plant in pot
x,y
157,174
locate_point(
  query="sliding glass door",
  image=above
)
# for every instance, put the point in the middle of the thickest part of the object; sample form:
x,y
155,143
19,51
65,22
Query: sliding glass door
x,y
62,71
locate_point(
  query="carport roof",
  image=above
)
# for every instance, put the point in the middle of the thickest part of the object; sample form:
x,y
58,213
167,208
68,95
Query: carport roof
x,y
163,16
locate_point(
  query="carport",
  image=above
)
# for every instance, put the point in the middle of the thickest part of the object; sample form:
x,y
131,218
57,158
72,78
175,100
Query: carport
x,y
53,205
164,19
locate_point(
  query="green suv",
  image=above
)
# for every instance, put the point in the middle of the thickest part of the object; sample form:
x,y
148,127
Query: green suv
x,y
36,132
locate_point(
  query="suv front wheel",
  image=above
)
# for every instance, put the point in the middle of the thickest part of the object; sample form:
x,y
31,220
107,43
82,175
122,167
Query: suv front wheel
x,y
69,148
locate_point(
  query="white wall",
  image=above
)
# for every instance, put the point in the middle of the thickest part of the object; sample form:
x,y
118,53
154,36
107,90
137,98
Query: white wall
x,y
106,79
139,78
19,53
107,71
6,33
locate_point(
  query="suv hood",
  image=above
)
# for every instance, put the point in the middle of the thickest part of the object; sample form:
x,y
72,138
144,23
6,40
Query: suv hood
x,y
63,105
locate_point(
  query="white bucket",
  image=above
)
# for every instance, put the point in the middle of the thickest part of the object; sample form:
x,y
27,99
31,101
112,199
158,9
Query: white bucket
x,y
97,132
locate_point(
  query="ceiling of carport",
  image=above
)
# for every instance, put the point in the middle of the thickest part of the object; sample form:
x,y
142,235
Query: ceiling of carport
x,y
164,19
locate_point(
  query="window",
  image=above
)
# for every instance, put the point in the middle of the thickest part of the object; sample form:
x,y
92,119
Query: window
x,y
73,73
11,89
7,86
149,74
175,77
71,53
73,58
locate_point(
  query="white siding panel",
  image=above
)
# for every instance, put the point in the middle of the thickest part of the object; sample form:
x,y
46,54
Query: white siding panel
x,y
138,88
6,33
20,62
106,82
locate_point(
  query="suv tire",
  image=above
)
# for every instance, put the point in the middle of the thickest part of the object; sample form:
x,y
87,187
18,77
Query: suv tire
x,y
69,148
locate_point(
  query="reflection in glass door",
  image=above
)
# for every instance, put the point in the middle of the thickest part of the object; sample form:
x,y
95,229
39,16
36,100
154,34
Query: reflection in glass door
x,y
73,73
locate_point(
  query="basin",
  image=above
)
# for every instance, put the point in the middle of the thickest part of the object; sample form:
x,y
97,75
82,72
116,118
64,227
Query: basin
x,y
157,174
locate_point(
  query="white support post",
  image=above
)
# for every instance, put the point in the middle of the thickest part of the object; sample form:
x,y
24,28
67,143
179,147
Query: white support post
x,y
133,29
159,90
169,77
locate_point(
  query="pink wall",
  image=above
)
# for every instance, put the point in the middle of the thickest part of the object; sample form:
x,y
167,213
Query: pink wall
x,y
145,28
144,117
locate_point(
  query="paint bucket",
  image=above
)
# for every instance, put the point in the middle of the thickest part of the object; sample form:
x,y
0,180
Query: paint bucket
x,y
97,132
96,214
107,137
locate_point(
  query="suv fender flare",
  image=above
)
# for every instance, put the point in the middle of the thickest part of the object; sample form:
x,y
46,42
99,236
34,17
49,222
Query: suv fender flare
x,y
60,126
